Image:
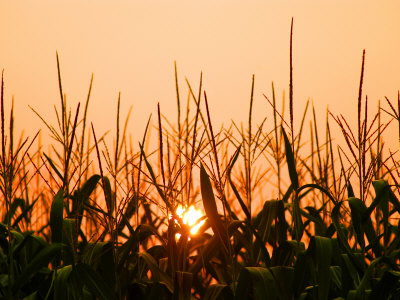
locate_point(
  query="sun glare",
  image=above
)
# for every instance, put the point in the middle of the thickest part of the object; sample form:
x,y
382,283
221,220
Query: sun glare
x,y
191,218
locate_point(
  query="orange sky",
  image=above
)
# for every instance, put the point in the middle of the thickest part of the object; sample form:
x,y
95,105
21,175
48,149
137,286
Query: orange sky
x,y
130,46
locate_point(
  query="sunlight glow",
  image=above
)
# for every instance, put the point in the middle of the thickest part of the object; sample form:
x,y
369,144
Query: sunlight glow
x,y
191,218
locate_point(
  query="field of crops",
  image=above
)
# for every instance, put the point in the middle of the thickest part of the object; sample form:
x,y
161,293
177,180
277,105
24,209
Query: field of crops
x,y
190,219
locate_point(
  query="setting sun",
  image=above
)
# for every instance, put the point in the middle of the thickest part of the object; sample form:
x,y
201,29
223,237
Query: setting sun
x,y
190,217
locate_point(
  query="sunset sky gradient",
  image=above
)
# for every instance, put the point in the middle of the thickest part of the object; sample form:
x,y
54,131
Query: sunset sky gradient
x,y
131,46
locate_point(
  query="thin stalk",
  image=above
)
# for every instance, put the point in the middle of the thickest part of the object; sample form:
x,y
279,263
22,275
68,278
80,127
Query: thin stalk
x,y
178,103
83,132
192,156
361,183
291,85
160,137
277,146
248,167
6,183
378,144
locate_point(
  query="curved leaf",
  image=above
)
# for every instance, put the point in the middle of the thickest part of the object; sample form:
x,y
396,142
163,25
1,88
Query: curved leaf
x,y
210,208
42,259
156,272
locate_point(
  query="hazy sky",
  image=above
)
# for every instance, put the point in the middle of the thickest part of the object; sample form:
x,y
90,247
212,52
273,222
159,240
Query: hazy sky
x,y
131,46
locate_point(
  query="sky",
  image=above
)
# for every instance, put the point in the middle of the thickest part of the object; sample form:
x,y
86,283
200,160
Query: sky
x,y
131,46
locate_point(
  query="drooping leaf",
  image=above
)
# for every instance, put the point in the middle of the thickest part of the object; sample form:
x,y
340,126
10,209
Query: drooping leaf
x,y
89,186
363,225
212,247
40,260
156,272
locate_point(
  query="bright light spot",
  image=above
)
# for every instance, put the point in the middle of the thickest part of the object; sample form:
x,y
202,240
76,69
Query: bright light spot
x,y
191,218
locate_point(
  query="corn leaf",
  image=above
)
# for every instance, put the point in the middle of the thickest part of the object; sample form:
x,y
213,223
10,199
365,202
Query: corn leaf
x,y
210,208
157,274
40,260
257,283
218,292
56,217
321,251
94,282
183,285
290,162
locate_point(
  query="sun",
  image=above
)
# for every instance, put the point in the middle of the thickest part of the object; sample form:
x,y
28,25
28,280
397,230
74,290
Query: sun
x,y
191,217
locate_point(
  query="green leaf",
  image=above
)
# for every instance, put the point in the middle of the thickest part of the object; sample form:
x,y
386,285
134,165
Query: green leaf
x,y
61,283
183,285
218,292
158,291
365,281
40,260
256,283
106,264
18,202
382,191
291,162
350,192
302,272
53,166
153,177
284,278
342,236
298,223
321,252
210,208
387,284
270,212
94,282
156,273
336,277
208,251
89,186
350,269
56,217
24,214
262,250
363,225
314,216
69,232
108,195
234,189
